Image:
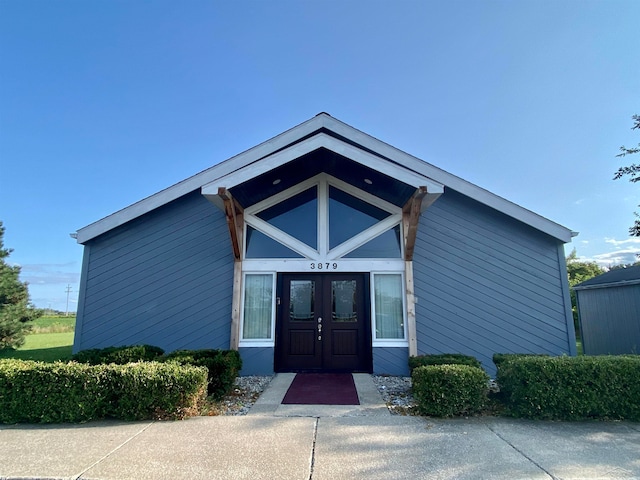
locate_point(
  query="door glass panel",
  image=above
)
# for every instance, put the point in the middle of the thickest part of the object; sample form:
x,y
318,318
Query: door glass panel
x,y
260,245
258,300
301,307
388,306
297,216
349,216
386,245
343,301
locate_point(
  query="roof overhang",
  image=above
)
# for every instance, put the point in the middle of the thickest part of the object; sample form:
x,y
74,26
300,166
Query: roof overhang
x,y
366,160
323,132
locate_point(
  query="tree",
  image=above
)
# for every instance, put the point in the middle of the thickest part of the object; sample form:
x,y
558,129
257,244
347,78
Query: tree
x,y
632,171
579,272
16,312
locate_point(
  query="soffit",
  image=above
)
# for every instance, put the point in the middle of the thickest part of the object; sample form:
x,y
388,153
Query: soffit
x,y
322,160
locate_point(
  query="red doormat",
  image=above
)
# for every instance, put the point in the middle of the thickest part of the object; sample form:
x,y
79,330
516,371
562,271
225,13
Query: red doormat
x,y
322,389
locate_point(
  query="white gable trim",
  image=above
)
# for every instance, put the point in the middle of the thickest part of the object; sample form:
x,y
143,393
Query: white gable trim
x,y
321,140
410,164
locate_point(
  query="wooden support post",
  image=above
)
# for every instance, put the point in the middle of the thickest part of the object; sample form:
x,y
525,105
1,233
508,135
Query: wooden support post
x,y
411,309
233,212
410,219
236,305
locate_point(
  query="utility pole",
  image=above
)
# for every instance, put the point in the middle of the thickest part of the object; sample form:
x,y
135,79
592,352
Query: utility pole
x,y
68,290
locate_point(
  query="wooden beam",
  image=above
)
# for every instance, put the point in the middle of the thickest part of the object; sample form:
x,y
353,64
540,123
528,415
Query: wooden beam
x,y
234,214
235,305
410,219
411,309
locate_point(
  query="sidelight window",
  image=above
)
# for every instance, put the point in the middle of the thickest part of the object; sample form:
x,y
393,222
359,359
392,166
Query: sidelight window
x,y
258,311
388,307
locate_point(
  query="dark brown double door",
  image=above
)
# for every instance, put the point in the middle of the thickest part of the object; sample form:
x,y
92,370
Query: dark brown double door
x,y
322,323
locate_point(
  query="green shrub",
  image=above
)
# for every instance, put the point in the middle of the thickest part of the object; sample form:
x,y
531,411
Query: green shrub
x,y
119,355
571,388
449,390
443,359
223,367
156,390
73,392
51,392
498,358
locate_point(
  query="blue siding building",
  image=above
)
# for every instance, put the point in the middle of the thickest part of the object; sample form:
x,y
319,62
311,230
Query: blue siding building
x,y
325,249
609,312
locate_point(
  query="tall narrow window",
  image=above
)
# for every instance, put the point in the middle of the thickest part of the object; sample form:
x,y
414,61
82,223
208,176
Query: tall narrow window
x,y
388,307
258,307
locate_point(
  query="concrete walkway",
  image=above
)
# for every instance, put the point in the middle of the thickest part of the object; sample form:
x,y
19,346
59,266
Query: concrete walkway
x,y
319,443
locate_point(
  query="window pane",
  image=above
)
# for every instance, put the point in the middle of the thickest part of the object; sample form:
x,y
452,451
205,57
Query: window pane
x,y
343,301
386,245
388,305
297,216
302,294
258,300
260,245
349,216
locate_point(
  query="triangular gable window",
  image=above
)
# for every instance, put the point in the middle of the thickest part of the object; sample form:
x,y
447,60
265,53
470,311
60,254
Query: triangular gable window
x,y
349,216
323,218
296,216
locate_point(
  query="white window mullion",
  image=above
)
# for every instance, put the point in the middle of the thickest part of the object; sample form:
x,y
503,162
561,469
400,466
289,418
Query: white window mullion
x,y
280,236
323,218
363,237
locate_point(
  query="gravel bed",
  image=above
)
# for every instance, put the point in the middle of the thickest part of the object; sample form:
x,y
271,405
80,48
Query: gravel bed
x,y
395,391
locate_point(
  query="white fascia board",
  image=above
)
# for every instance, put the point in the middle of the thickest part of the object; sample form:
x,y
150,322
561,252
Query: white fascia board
x,y
622,283
321,140
196,181
451,181
436,176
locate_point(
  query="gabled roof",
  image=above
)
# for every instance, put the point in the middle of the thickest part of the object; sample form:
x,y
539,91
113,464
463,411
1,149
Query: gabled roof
x,y
323,132
613,278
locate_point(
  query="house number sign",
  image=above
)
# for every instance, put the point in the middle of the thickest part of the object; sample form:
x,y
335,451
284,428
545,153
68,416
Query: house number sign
x,y
323,266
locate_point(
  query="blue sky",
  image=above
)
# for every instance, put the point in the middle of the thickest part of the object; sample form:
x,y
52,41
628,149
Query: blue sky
x,y
103,103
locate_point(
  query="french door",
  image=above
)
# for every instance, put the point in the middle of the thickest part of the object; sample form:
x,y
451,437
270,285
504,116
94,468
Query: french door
x,y
322,323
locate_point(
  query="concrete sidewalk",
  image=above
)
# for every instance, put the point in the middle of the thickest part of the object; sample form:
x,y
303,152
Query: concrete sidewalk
x,y
330,444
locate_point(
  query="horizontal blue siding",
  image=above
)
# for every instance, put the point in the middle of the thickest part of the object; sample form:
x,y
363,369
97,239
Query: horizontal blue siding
x,y
610,320
487,283
164,279
391,361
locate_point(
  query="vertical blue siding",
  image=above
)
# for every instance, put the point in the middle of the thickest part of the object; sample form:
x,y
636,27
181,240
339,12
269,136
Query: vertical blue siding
x,y
610,319
164,279
486,283
391,361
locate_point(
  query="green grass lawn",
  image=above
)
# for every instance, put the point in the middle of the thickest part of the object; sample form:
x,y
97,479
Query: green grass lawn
x,y
54,324
44,347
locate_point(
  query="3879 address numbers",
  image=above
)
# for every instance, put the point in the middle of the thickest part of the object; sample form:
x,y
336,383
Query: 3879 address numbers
x,y
323,266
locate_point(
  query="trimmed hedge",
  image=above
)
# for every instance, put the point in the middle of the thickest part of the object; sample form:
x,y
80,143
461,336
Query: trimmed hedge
x,y
449,390
223,367
443,359
39,392
498,358
119,355
571,388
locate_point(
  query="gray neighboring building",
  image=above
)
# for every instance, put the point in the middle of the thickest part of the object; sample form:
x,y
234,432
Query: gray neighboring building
x,y
325,249
609,312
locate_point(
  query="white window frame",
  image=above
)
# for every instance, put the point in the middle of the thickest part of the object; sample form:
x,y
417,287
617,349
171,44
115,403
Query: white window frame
x,y
389,342
258,342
